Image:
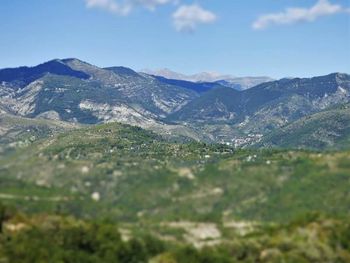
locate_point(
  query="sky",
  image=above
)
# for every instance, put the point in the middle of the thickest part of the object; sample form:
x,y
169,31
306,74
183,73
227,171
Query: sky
x,y
276,38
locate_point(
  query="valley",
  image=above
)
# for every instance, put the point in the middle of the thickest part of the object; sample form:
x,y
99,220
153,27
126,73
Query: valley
x,y
129,174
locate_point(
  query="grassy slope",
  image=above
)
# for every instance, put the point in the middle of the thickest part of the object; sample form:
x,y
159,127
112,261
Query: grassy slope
x,y
18,131
142,178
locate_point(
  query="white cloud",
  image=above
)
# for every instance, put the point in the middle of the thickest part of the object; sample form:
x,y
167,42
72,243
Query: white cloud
x,y
124,7
110,6
152,4
294,15
187,17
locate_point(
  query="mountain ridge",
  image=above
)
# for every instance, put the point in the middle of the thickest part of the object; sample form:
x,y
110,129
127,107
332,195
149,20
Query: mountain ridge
x,y
75,91
317,93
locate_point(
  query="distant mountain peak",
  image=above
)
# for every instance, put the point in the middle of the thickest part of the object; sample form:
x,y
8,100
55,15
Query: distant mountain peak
x,y
199,77
238,83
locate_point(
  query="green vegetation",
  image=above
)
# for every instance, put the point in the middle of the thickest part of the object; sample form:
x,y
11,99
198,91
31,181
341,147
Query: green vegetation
x,y
135,175
329,129
54,238
19,132
117,193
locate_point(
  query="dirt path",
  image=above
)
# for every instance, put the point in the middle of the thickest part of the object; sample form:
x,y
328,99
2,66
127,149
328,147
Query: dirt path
x,y
33,198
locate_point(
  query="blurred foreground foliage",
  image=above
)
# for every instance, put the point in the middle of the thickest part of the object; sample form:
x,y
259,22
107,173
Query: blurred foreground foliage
x,y
55,238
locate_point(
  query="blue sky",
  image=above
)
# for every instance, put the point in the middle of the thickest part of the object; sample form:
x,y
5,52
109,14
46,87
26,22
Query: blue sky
x,y
238,37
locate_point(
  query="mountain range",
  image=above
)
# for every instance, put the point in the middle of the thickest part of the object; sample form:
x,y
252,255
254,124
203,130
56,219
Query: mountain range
x,y
268,105
239,83
74,91
199,77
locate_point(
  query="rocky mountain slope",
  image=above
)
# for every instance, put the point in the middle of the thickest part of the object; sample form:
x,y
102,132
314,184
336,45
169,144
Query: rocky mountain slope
x,y
75,91
217,105
267,106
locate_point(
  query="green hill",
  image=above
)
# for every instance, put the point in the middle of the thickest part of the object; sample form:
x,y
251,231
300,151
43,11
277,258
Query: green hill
x,y
132,175
329,129
115,192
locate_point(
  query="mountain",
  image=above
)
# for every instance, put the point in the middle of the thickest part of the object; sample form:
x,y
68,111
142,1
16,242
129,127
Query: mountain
x,y
75,91
22,76
267,106
239,83
329,129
